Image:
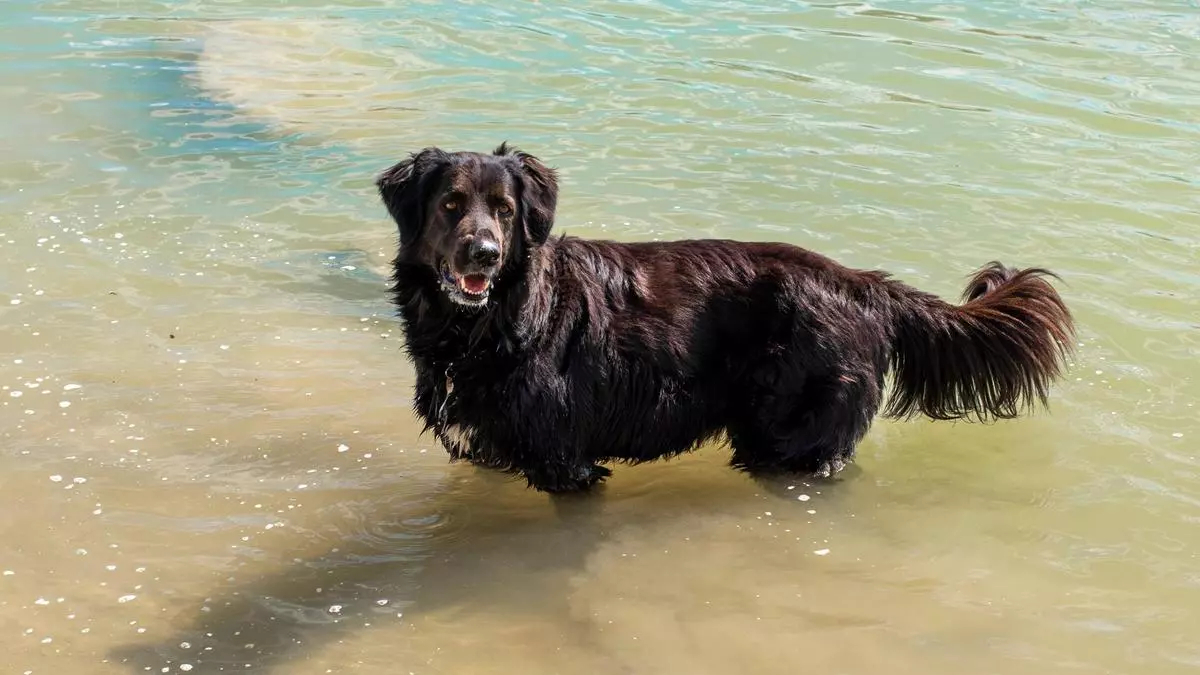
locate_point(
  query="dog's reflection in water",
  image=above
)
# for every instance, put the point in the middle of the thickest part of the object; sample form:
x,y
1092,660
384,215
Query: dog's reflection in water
x,y
479,546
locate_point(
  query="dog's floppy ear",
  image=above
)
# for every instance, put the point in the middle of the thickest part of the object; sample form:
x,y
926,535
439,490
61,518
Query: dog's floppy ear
x,y
539,193
404,189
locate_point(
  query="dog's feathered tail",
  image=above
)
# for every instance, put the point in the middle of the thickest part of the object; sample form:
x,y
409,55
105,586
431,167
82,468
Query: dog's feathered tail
x,y
992,357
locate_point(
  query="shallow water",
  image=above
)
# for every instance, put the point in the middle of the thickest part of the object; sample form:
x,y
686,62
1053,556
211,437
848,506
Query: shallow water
x,y
208,460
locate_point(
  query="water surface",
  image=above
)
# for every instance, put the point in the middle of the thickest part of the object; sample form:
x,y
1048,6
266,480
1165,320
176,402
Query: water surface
x,y
208,463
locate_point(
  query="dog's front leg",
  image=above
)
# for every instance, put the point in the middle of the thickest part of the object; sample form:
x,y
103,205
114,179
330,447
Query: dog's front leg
x,y
561,477
429,395
432,403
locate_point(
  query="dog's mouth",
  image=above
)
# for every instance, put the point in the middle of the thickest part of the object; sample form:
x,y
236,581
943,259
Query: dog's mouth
x,y
465,289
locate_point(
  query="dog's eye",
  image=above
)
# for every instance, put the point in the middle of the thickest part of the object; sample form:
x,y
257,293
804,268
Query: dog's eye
x,y
450,205
504,210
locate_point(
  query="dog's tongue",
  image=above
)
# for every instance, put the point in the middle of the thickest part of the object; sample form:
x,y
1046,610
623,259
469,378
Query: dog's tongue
x,y
474,283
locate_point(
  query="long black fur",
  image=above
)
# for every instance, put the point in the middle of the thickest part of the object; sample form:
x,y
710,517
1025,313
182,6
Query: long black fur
x,y
596,351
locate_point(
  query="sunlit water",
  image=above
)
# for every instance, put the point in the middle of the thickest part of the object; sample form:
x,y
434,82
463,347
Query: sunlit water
x,y
208,463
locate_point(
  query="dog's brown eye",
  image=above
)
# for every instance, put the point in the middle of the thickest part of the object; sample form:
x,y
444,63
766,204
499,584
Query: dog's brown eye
x,y
450,206
504,210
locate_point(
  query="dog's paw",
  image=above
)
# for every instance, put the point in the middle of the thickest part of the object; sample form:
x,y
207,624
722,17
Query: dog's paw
x,y
586,477
577,479
830,468
593,473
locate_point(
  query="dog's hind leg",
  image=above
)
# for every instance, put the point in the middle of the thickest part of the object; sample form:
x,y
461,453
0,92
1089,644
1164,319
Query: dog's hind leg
x,y
812,432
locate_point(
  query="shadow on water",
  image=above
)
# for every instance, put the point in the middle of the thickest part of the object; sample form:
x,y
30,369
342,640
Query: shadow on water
x,y
480,544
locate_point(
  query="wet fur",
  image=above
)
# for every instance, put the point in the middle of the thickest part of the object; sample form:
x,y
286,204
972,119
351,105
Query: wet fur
x,y
591,352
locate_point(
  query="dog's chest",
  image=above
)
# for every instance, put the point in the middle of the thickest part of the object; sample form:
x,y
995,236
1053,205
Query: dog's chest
x,y
504,395
485,386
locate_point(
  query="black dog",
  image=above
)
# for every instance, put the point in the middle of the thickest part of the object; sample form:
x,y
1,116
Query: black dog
x,y
546,357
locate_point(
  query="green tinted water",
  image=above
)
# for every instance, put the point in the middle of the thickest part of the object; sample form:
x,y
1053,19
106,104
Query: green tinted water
x,y
207,458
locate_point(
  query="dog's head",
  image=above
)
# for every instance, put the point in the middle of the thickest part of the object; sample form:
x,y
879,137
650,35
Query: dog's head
x,y
469,216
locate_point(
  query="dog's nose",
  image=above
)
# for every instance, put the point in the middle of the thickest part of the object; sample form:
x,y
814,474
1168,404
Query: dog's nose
x,y
484,252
